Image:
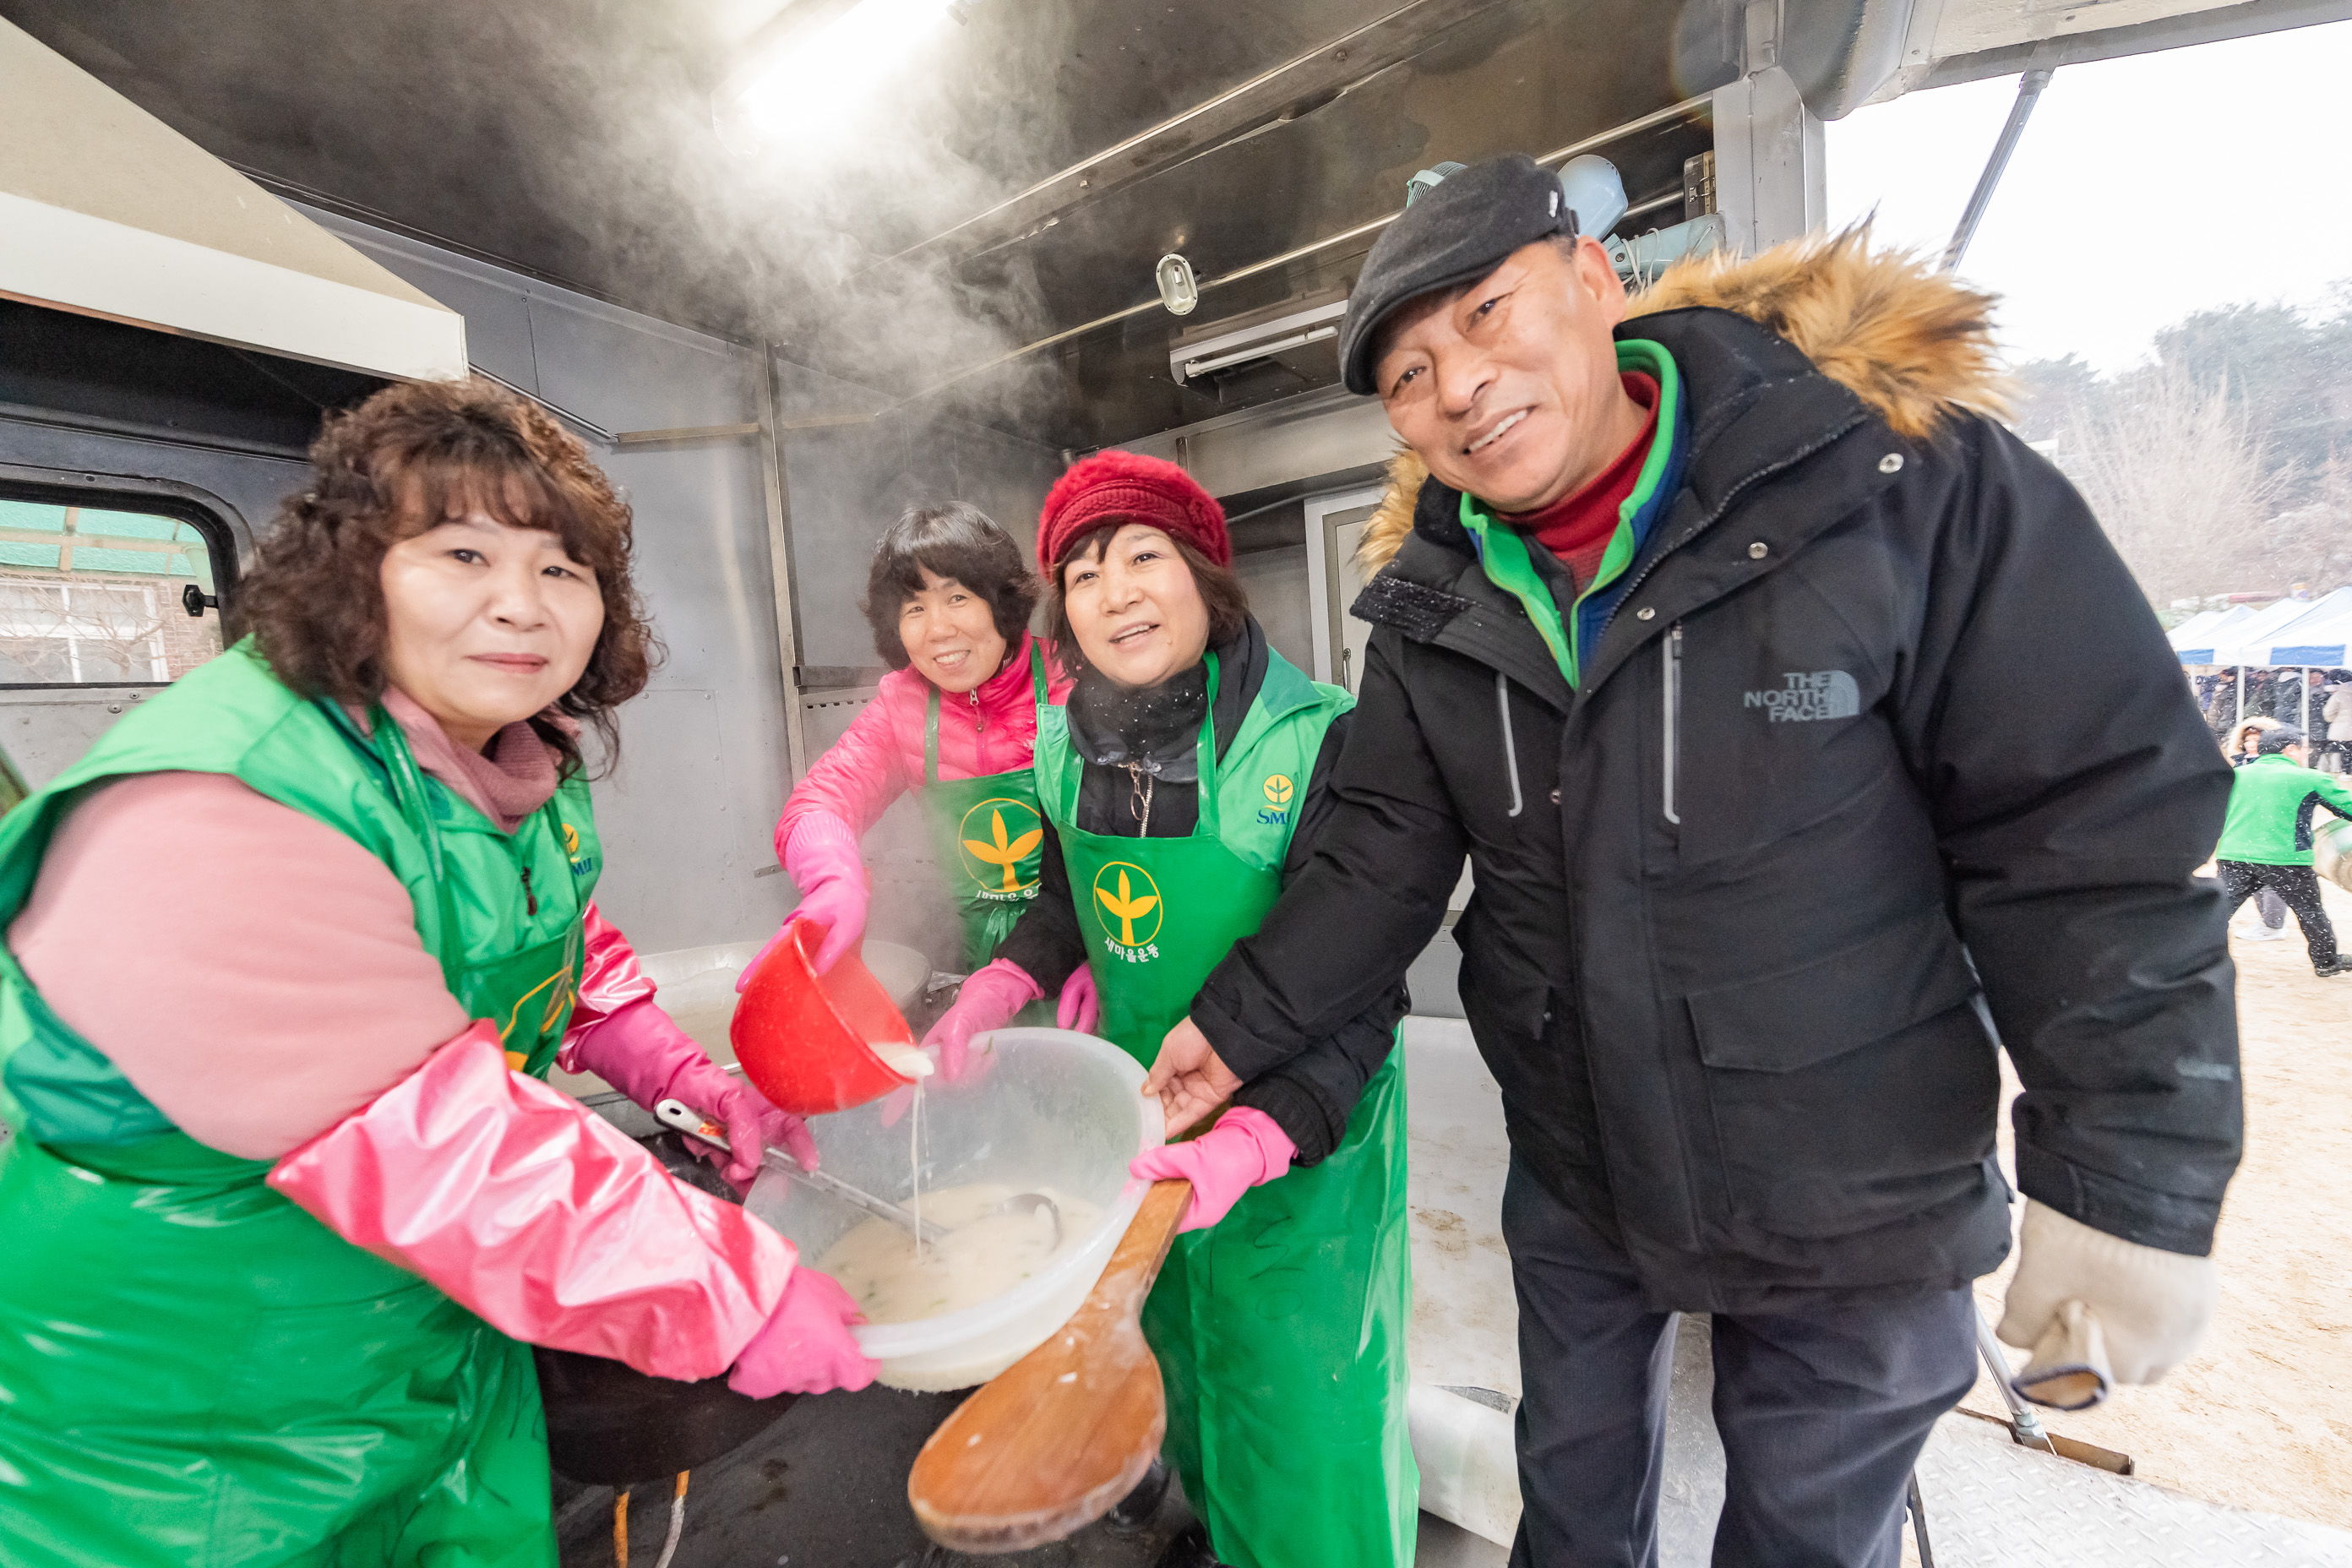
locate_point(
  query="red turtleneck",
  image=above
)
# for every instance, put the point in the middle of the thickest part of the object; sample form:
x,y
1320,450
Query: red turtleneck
x,y
1578,527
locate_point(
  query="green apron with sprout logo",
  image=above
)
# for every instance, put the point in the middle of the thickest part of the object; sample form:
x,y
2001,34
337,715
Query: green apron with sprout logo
x,y
1281,1329
194,1372
986,836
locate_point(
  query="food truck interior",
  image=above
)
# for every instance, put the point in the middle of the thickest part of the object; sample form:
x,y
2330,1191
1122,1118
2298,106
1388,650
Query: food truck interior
x,y
788,270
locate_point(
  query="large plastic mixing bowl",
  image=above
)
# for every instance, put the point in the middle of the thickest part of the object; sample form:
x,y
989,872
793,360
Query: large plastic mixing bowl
x,y
1053,1109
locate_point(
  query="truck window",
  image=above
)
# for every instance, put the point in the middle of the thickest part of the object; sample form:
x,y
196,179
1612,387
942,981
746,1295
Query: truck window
x,y
98,596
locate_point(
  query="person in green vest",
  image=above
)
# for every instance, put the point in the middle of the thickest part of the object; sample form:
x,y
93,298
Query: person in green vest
x,y
1183,783
2266,841
948,596
288,955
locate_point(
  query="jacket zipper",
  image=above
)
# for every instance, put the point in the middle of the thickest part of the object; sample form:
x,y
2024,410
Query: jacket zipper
x,y
1711,519
529,898
1510,749
1674,688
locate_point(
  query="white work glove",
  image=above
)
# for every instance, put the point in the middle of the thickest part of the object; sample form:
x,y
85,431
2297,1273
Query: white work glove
x,y
2097,1309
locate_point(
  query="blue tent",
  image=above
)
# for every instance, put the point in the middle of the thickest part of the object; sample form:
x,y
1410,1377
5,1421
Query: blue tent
x,y
2250,641
2194,639
2321,638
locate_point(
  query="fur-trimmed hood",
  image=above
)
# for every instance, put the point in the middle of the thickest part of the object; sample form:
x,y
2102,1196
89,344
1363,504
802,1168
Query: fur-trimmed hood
x,y
1905,338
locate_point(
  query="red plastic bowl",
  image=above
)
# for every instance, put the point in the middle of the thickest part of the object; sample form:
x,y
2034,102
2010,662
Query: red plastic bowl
x,y
802,1037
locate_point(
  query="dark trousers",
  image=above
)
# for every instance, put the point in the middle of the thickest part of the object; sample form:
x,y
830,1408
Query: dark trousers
x,y
2299,886
1823,1409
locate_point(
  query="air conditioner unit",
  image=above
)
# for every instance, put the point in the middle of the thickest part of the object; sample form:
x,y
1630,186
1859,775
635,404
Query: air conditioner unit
x,y
1280,332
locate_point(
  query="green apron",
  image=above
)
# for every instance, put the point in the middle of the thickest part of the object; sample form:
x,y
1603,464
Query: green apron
x,y
193,1371
986,835
1281,1329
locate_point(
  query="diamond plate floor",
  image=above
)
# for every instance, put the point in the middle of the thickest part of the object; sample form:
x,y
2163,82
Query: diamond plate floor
x,y
1992,1504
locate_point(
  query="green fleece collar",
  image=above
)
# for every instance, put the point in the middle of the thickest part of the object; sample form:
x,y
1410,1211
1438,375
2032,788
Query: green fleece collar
x,y
1503,550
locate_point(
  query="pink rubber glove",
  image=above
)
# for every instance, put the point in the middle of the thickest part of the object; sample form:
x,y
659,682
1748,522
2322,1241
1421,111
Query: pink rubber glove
x,y
610,977
540,1218
988,1001
1245,1149
822,859
806,1347
639,1051
1079,1007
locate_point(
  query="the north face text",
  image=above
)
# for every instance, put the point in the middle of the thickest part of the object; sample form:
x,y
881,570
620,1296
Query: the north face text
x,y
1816,694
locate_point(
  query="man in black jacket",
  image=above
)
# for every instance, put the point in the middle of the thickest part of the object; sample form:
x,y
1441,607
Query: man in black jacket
x,y
1799,723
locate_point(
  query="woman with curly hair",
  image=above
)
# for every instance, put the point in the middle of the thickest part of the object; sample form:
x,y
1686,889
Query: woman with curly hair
x,y
288,955
948,596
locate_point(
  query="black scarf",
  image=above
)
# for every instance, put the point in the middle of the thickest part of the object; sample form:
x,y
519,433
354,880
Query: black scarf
x,y
1156,729
1135,739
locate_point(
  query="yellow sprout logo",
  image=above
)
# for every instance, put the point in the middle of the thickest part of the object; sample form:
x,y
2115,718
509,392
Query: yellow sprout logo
x,y
561,990
572,841
1122,899
998,849
1277,789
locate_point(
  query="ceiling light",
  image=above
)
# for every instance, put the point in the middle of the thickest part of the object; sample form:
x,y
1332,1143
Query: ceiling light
x,y
811,83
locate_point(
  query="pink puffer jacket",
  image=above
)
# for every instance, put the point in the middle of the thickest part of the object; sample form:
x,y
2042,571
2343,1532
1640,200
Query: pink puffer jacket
x,y
990,729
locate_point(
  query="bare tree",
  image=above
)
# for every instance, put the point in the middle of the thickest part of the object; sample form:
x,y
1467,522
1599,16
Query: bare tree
x,y
61,630
2177,474
2312,544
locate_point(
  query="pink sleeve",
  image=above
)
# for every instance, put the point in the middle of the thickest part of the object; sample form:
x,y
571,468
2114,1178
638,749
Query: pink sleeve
x,y
543,1219
250,970
610,980
858,776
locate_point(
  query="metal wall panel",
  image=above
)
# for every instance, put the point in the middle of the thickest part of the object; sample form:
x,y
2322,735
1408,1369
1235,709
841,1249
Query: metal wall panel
x,y
1275,580
1313,435
849,482
629,372
47,732
497,311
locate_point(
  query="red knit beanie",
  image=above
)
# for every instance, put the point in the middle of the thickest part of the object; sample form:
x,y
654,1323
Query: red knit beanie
x,y
1128,487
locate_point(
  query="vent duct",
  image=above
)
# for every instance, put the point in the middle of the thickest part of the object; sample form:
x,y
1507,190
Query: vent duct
x,y
106,211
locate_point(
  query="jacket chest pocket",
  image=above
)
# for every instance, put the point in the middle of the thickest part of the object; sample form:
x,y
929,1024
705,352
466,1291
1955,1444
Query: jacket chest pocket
x,y
1767,726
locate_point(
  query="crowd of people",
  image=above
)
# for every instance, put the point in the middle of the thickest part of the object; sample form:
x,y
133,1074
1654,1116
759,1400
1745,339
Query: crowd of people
x,y
2317,701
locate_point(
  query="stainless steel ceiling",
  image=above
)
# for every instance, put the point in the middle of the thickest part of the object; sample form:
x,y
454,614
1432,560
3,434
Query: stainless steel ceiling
x,y
574,139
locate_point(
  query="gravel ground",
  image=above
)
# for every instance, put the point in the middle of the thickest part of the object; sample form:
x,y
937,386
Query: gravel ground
x,y
2260,1416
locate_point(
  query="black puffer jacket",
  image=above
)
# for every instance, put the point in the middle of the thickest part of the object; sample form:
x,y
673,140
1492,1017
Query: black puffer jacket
x,y
1882,735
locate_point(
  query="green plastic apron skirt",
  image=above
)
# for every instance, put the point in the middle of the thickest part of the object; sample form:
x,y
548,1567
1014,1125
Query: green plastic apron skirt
x,y
989,840
195,1372
1280,1330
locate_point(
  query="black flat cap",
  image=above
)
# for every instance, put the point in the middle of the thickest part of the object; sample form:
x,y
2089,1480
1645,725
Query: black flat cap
x,y
1455,233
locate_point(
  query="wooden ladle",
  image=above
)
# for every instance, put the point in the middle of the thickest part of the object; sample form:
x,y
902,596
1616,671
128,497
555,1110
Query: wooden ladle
x,y
1065,1432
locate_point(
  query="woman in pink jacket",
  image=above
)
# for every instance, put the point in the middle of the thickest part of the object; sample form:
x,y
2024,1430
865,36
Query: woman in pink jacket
x,y
949,596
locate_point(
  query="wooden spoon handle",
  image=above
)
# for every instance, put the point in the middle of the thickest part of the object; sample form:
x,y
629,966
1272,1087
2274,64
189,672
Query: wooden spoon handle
x,y
1134,1263
1054,1440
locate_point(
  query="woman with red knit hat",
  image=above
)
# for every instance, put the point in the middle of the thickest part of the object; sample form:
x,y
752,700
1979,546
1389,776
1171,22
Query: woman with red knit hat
x,y
1185,779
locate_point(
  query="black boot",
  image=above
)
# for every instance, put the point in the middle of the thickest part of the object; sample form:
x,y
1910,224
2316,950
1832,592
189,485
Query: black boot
x,y
1133,1512
1190,1550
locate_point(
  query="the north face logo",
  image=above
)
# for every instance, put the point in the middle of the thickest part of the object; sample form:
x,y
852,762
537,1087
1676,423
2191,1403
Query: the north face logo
x,y
1817,694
